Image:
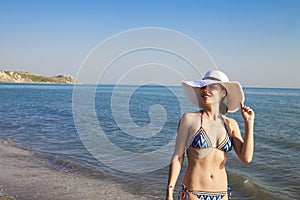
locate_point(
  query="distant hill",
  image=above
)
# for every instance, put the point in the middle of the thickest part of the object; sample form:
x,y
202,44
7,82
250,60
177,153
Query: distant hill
x,y
29,77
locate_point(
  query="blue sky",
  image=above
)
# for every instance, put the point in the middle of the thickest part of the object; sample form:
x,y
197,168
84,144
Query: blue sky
x,y
254,42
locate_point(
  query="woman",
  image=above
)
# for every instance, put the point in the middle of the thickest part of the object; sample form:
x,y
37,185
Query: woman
x,y
208,135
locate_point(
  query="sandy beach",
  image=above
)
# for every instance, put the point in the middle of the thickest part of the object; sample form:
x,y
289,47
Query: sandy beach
x,y
24,177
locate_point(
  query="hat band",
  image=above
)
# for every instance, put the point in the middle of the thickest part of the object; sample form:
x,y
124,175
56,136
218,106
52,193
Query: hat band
x,y
211,78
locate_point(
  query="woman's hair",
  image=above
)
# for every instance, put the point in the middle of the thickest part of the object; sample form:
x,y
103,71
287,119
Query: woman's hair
x,y
223,105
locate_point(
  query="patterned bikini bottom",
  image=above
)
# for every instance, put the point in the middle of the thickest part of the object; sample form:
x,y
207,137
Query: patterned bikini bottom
x,y
203,195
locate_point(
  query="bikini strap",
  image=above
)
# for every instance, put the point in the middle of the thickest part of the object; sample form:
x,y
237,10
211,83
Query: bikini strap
x,y
201,118
222,119
225,126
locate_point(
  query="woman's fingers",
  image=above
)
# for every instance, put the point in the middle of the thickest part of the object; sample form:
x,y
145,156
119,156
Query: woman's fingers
x,y
245,108
247,112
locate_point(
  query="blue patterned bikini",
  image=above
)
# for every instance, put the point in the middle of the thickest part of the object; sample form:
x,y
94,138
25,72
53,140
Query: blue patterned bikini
x,y
204,195
202,141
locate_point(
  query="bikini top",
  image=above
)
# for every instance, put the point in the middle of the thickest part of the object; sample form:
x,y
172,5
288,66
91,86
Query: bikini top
x,y
202,141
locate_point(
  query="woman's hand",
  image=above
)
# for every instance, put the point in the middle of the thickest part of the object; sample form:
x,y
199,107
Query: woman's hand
x,y
247,113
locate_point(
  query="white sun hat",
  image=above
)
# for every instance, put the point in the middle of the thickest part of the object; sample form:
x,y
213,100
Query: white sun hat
x,y
235,94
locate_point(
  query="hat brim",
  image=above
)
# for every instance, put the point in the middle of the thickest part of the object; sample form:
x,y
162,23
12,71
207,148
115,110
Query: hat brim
x,y
235,95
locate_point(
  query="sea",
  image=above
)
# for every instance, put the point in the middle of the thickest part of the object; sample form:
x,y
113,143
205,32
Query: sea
x,y
127,133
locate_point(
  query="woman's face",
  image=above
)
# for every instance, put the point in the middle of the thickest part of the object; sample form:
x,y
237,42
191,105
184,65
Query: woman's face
x,y
212,93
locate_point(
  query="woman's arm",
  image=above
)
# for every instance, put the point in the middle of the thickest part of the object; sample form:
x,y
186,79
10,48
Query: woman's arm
x,y
178,156
174,172
244,147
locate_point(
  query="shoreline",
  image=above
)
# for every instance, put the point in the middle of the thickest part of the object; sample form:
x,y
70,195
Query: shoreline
x,y
24,177
29,77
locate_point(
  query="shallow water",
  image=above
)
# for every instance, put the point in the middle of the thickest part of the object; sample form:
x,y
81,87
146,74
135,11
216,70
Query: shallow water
x,y
40,118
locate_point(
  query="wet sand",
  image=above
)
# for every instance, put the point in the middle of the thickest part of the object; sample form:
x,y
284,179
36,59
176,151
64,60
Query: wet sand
x,y
23,177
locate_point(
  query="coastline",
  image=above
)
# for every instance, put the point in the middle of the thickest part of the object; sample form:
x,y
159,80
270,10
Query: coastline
x,y
29,77
23,176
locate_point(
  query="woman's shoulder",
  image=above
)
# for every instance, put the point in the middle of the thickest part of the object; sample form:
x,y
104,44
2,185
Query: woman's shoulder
x,y
187,123
232,123
189,117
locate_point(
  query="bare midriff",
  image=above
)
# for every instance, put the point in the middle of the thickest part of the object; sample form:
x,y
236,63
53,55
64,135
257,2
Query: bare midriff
x,y
207,173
